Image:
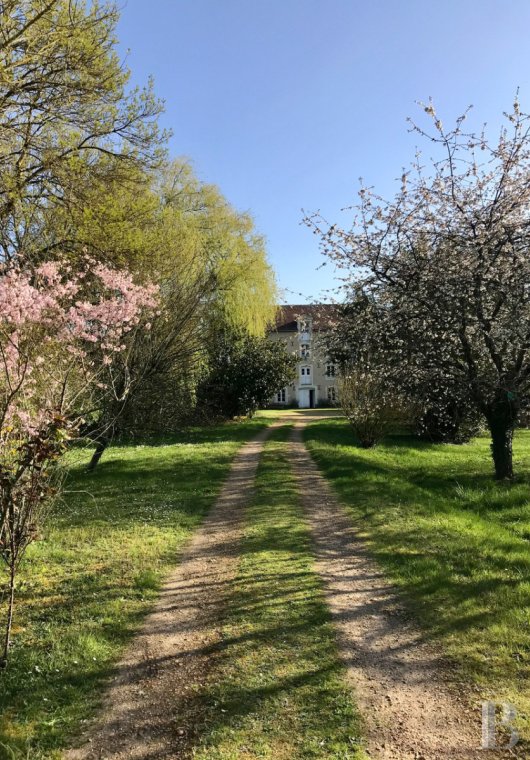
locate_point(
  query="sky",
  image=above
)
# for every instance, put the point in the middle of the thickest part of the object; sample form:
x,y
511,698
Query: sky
x,y
285,104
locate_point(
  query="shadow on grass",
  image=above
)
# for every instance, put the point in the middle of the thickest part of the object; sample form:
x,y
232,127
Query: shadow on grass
x,y
86,586
277,689
451,538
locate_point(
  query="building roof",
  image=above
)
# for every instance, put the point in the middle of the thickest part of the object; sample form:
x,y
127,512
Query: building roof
x,y
321,314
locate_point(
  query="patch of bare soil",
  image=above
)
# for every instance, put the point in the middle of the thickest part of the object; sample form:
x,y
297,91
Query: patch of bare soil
x,y
411,706
146,714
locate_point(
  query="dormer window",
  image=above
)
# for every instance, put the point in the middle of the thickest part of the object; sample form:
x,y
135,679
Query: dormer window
x,y
304,329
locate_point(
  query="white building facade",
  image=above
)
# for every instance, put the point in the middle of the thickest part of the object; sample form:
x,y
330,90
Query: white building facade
x,y
302,329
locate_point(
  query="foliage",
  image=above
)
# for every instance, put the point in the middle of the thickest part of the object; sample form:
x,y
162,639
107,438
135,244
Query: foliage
x,y
245,371
446,262
59,334
374,395
370,403
65,113
438,406
211,268
453,541
83,170
447,414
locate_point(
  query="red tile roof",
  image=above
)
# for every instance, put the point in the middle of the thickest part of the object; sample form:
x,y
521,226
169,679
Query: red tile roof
x,y
321,314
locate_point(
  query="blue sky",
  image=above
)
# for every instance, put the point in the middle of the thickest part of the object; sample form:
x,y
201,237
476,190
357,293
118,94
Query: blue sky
x,y
285,103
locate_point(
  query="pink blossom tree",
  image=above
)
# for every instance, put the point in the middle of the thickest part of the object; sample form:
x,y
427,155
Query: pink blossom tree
x,y
60,332
447,261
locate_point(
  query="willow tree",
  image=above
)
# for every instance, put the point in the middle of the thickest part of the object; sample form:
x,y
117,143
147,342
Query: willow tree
x,y
447,257
213,274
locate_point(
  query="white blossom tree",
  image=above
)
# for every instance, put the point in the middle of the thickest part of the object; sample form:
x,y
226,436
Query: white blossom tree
x,y
447,259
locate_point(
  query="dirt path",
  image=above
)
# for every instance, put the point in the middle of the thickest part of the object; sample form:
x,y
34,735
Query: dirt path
x,y
403,689
145,709
409,708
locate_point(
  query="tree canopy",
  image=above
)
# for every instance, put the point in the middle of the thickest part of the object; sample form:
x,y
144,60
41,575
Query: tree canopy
x,y
64,107
446,260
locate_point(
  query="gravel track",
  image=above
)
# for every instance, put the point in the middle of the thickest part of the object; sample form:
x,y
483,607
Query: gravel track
x,y
411,708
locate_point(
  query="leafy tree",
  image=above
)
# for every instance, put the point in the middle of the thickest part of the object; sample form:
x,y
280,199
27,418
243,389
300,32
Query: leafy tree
x,y
447,260
372,393
65,112
370,403
245,371
212,269
365,335
82,169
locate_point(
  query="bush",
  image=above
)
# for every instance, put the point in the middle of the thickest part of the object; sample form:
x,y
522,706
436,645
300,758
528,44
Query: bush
x,y
371,405
245,371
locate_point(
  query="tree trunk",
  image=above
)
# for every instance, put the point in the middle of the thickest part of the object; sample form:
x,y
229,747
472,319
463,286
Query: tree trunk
x,y
9,621
501,421
101,445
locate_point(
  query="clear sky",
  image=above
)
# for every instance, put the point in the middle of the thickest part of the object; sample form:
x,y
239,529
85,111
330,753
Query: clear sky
x,y
285,103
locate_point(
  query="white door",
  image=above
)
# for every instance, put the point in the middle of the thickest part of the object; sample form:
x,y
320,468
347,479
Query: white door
x,y
303,399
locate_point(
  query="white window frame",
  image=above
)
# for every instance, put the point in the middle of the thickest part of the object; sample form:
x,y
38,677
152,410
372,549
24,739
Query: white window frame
x,y
332,394
281,396
304,329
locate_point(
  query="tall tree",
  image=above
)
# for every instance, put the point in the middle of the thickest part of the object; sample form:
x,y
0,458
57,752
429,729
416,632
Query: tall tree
x,y
213,273
447,258
64,105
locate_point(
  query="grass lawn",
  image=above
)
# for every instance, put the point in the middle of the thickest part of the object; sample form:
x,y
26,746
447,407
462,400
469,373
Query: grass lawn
x,y
279,692
85,586
455,542
331,411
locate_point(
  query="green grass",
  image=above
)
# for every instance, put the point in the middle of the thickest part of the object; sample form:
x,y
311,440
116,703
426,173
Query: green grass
x,y
455,542
86,585
279,691
279,413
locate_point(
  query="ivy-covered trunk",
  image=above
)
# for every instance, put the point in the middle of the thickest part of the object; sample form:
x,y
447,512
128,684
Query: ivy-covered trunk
x,y
501,416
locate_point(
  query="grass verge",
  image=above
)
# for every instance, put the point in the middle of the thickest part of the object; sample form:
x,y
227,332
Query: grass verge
x,y
279,691
455,542
86,585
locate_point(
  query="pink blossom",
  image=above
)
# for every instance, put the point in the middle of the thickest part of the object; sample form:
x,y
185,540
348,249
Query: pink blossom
x,y
57,337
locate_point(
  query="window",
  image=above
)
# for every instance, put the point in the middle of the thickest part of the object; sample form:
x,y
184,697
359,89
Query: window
x,y
305,350
332,394
305,373
330,369
281,396
304,328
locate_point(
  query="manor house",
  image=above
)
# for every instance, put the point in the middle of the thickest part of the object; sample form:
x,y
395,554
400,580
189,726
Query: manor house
x,y
302,328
